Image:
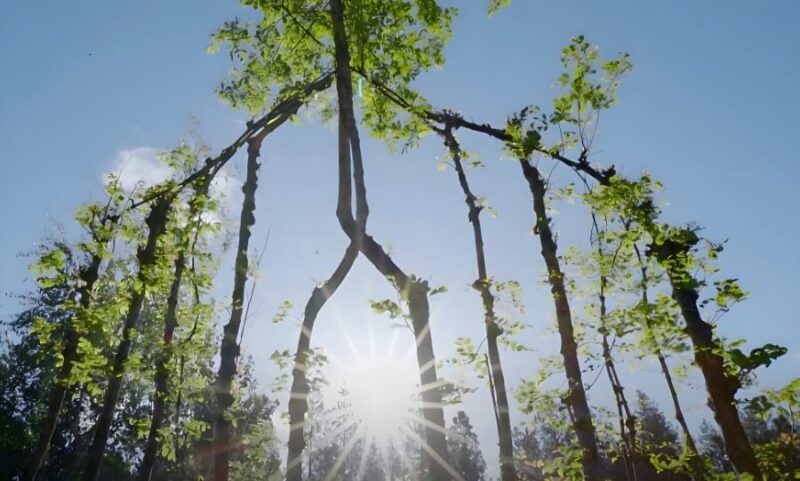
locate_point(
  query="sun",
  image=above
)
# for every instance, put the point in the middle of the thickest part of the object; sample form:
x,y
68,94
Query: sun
x,y
381,395
378,403
380,392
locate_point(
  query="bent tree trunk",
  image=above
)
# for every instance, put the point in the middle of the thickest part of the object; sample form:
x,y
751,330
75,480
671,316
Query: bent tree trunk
x,y
414,291
493,330
721,385
576,397
298,399
88,275
229,348
146,258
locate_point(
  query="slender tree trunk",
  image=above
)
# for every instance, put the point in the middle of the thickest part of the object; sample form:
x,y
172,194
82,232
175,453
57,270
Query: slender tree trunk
x,y
413,290
229,348
662,361
180,446
55,403
721,385
690,444
627,424
493,330
298,400
153,443
576,398
162,373
146,257
80,439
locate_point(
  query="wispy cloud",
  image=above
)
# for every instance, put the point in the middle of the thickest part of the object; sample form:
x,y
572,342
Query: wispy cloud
x,y
138,168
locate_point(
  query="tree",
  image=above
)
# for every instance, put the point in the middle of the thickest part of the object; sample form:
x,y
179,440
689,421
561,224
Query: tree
x,y
296,36
100,223
146,258
464,448
413,290
483,284
528,454
656,434
25,366
229,348
186,248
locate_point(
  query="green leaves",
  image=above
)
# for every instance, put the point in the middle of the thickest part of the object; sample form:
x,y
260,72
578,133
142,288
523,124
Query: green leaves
x,y
524,131
392,42
589,85
760,356
496,5
465,349
387,307
585,89
283,312
728,292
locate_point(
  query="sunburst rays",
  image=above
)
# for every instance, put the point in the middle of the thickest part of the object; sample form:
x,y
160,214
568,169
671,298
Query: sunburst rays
x,y
378,411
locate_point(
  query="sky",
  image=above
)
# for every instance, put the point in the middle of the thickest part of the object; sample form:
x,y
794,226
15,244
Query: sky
x,y
709,109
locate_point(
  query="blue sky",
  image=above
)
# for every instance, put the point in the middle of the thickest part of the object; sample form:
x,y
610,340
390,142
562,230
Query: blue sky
x,y
710,109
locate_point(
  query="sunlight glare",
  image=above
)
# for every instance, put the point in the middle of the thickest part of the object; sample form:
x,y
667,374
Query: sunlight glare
x,y
381,392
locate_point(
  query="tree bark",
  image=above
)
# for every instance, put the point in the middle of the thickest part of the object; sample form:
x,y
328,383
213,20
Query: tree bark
x,y
298,400
493,329
229,348
676,404
146,257
162,374
721,385
413,290
627,423
55,403
662,361
153,443
576,398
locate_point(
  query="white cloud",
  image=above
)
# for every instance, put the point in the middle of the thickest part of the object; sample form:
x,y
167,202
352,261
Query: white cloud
x,y
223,186
138,167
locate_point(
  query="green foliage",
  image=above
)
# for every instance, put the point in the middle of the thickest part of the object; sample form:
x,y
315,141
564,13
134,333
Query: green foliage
x,y
392,42
464,449
760,356
657,437
496,5
283,312
728,292
524,129
557,455
387,307
590,85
